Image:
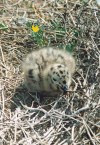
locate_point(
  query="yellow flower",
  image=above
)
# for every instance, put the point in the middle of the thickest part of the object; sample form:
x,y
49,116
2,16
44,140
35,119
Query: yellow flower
x,y
35,28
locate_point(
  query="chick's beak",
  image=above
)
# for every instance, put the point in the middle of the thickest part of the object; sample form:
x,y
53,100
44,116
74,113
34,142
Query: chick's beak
x,y
64,88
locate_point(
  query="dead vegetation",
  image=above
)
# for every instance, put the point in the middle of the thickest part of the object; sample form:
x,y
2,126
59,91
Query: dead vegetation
x,y
67,120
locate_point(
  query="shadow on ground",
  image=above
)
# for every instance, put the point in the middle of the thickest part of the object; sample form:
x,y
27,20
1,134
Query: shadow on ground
x,y
23,96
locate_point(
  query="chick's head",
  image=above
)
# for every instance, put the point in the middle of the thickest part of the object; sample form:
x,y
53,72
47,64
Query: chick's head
x,y
60,77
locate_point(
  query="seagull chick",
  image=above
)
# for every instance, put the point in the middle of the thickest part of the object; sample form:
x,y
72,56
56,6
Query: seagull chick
x,y
48,70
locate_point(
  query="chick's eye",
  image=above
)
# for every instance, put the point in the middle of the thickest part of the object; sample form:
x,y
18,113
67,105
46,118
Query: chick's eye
x,y
54,79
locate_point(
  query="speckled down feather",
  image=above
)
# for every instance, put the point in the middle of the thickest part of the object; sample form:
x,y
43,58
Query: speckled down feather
x,y
48,70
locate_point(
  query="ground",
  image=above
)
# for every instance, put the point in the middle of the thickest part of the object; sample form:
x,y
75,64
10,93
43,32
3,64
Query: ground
x,y
71,119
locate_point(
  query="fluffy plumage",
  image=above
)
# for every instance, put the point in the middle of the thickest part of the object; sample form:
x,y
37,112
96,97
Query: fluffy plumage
x,y
48,70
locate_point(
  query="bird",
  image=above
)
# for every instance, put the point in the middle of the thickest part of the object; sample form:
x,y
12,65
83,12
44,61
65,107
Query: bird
x,y
48,70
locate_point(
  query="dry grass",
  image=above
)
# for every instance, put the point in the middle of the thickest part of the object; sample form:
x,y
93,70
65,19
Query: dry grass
x,y
67,120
